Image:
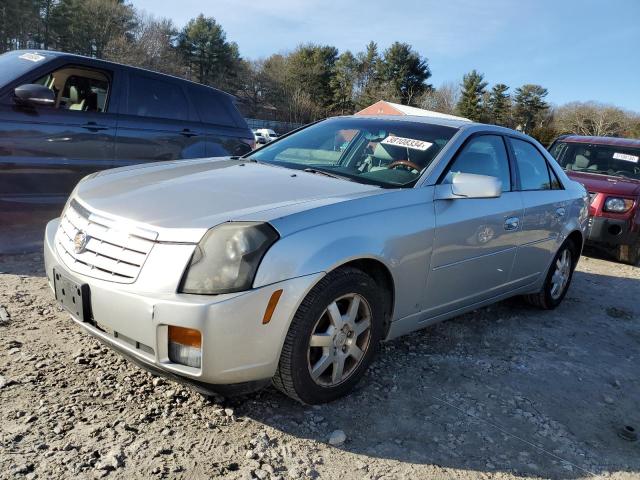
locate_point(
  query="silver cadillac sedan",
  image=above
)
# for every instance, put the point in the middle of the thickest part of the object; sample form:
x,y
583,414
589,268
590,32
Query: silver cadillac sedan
x,y
291,264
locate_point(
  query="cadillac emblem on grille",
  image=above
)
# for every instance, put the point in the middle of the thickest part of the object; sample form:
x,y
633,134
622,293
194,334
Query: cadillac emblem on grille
x,y
80,242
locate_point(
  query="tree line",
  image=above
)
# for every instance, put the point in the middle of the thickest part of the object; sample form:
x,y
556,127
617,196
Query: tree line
x,y
305,84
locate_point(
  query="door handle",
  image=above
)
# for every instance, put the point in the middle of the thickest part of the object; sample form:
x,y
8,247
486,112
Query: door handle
x,y
188,133
511,223
560,212
94,127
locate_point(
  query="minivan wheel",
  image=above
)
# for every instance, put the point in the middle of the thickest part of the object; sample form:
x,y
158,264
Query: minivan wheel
x,y
332,339
558,278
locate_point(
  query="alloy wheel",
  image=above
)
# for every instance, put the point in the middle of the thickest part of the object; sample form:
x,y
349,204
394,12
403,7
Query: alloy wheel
x,y
339,340
561,275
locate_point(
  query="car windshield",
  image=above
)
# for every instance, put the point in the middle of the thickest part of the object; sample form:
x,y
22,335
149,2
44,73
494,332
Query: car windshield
x,y
619,161
387,153
15,64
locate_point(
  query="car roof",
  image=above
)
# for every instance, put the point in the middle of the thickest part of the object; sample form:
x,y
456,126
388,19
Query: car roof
x,y
444,122
611,141
106,63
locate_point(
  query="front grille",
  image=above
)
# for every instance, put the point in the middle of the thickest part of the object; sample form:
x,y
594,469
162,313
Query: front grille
x,y
111,252
592,196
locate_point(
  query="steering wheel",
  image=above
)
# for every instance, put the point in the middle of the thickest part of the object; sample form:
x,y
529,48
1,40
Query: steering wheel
x,y
409,165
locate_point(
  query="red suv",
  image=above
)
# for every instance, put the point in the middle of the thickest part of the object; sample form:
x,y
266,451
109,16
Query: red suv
x,y
609,168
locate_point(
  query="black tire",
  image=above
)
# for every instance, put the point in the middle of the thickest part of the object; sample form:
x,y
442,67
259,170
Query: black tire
x,y
293,377
544,298
629,254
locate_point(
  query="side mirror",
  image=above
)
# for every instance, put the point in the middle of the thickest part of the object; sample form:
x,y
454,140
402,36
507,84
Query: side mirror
x,y
469,185
34,94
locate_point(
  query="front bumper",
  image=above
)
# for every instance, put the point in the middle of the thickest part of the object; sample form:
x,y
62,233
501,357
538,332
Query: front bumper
x,y
236,347
611,232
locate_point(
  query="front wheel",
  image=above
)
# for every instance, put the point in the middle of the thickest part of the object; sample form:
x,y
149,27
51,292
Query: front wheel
x,y
332,338
558,278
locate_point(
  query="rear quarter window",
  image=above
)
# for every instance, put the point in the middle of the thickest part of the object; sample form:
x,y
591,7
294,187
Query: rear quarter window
x,y
212,108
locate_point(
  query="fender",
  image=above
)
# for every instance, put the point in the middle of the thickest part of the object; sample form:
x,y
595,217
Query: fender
x,y
323,247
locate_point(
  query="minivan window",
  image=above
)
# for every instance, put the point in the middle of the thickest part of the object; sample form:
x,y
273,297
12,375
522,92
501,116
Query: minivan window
x,y
78,88
211,109
534,173
484,155
151,97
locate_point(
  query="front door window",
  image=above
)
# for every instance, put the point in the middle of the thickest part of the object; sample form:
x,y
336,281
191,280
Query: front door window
x,y
78,89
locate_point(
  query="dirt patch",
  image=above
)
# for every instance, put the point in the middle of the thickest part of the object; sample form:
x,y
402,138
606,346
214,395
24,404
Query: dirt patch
x,y
504,392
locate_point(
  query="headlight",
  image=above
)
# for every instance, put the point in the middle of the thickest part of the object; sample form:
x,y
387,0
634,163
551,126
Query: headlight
x,y
227,258
617,205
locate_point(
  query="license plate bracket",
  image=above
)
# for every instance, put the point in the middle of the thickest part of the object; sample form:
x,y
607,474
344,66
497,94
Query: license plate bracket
x,y
73,296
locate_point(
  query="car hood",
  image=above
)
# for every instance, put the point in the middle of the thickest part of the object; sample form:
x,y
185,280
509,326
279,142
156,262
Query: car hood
x,y
606,183
180,200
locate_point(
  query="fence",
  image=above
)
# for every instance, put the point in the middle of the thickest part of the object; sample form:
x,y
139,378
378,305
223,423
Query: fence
x,y
279,127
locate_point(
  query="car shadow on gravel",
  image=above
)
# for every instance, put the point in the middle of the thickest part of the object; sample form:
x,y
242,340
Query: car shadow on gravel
x,y
507,388
30,264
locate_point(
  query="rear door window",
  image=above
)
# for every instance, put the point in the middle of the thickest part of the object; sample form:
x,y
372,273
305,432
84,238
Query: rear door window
x,y
211,108
152,97
534,171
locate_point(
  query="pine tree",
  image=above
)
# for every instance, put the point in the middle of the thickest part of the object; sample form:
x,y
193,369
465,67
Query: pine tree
x,y
529,106
342,82
211,59
311,69
473,88
405,73
368,80
500,105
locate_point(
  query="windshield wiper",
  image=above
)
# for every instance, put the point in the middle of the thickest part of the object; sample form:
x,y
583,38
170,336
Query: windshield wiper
x,y
328,174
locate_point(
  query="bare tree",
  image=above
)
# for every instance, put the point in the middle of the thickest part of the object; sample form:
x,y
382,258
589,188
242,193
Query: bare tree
x,y
442,99
592,118
253,86
151,44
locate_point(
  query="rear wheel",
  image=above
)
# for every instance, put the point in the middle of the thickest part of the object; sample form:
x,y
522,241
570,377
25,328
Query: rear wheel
x,y
629,254
558,278
332,338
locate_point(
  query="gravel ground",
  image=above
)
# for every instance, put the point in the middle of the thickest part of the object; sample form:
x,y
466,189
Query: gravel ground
x,y
504,392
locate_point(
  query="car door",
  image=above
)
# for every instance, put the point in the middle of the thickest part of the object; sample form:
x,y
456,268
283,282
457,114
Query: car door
x,y
46,150
475,238
157,122
545,205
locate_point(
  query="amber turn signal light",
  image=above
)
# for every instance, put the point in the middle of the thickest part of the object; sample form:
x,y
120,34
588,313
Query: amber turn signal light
x,y
271,306
185,336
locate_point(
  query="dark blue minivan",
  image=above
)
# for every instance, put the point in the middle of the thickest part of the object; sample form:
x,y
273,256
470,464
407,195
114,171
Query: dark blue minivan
x,y
64,116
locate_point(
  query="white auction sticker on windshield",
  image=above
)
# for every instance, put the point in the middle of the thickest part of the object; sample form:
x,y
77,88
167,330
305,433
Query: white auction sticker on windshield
x,y
407,142
626,157
33,57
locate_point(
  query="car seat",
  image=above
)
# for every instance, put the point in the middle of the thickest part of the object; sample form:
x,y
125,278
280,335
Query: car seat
x,y
74,99
91,104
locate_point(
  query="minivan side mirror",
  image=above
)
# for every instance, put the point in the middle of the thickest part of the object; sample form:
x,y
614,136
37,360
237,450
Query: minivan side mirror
x,y
469,185
34,94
